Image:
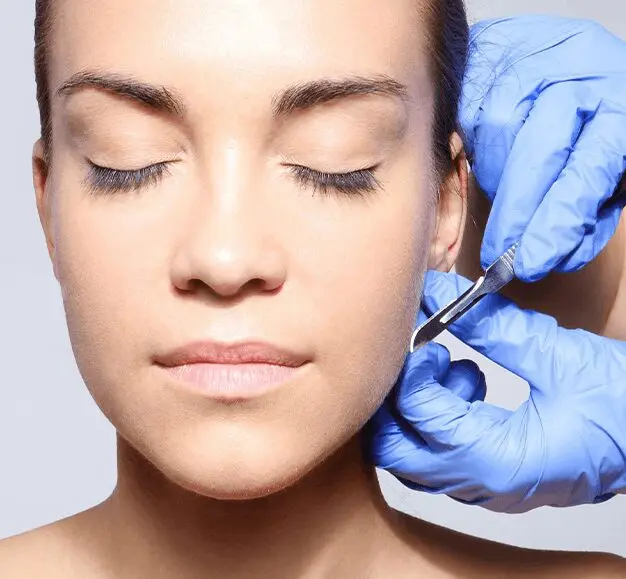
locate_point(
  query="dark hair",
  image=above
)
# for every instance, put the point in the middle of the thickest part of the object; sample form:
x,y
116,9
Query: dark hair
x,y
447,41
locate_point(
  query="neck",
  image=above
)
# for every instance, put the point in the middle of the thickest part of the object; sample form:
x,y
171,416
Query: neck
x,y
333,523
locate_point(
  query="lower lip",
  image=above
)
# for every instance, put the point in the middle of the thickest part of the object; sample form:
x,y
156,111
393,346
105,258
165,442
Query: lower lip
x,y
232,381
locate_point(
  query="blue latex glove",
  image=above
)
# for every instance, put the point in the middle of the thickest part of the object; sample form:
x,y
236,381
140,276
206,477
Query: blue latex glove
x,y
544,117
566,445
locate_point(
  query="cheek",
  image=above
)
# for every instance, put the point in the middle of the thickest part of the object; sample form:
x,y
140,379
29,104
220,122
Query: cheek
x,y
367,285
106,269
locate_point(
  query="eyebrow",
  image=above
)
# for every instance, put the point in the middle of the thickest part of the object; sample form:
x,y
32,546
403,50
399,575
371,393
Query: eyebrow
x,y
316,92
158,98
294,98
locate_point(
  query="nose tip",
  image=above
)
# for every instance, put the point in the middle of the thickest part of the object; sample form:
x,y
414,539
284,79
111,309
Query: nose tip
x,y
229,282
249,264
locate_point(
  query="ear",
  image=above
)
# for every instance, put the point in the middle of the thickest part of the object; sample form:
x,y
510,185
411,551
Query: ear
x,y
40,169
451,210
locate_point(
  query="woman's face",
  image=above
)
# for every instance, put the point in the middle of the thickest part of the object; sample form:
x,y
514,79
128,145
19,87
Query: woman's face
x,y
238,239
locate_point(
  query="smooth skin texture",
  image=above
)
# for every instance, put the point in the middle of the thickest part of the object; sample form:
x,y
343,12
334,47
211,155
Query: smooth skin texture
x,y
229,245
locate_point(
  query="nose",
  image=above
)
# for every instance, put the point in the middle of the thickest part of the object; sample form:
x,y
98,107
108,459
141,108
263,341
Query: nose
x,y
230,241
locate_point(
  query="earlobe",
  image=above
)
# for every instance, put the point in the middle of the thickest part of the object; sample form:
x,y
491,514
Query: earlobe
x,y
40,170
451,210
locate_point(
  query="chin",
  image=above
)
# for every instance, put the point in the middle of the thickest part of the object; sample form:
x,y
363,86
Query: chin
x,y
229,482
243,491
235,470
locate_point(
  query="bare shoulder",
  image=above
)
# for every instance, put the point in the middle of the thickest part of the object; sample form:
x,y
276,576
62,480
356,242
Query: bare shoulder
x,y
469,557
52,551
28,554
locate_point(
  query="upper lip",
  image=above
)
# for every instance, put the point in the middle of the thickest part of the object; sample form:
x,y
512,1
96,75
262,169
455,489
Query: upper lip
x,y
248,352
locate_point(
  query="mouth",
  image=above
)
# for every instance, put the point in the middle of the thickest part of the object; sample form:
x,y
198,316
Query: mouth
x,y
236,371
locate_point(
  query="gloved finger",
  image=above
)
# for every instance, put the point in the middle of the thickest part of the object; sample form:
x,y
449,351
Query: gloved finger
x,y
465,380
495,132
415,448
421,317
388,440
530,344
406,456
430,363
537,157
388,424
593,243
495,101
387,434
455,379
434,477
480,74
453,461
430,408
571,208
521,341
397,447
387,427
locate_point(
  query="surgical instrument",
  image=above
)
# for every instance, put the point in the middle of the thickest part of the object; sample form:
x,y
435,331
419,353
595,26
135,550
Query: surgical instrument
x,y
497,275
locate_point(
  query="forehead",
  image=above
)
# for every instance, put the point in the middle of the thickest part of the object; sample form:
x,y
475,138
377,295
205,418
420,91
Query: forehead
x,y
225,43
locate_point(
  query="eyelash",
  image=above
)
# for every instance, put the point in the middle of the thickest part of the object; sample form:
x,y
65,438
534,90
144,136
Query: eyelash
x,y
358,182
107,180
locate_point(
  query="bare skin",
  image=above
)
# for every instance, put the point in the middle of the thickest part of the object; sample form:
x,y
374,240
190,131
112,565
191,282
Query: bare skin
x,y
230,245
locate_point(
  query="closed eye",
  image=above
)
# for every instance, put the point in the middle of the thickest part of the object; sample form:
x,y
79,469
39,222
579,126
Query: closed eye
x,y
108,180
358,182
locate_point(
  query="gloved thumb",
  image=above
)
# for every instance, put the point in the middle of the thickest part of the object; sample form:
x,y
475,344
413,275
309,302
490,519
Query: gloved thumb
x,y
433,410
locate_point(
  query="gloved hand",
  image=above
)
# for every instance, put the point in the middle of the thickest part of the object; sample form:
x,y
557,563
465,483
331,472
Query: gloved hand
x,y
544,116
566,445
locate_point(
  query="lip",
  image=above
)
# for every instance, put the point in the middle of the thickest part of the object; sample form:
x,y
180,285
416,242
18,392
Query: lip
x,y
249,352
231,372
